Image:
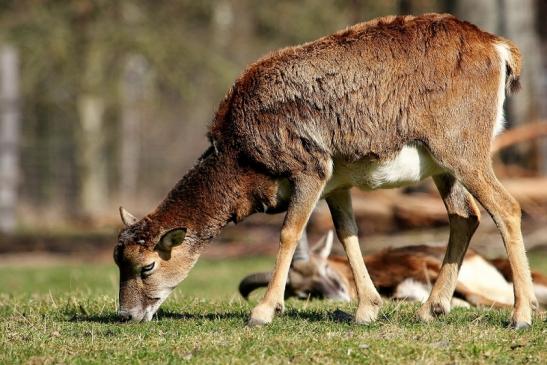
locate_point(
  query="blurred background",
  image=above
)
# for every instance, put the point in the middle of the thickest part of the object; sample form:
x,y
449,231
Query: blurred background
x,y
106,103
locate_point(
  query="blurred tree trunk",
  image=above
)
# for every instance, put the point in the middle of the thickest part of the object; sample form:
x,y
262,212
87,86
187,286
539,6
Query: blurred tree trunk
x,y
485,14
513,19
92,162
405,7
9,137
135,88
518,24
223,19
242,31
232,29
356,11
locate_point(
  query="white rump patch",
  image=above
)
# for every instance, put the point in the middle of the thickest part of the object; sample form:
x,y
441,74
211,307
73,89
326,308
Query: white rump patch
x,y
412,290
504,55
479,276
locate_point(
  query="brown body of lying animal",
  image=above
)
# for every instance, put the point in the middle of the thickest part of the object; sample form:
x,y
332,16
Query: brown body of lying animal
x,y
405,273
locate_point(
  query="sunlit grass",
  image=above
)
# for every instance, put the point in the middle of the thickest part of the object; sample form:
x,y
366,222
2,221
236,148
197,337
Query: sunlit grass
x,y
66,314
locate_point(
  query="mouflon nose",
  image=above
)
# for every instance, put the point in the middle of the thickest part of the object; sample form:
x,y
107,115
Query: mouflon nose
x,y
124,315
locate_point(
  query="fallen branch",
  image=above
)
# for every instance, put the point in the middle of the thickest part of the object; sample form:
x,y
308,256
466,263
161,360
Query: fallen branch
x,y
520,134
392,210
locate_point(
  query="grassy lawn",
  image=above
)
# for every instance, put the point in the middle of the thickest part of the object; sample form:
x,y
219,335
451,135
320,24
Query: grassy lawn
x,y
66,314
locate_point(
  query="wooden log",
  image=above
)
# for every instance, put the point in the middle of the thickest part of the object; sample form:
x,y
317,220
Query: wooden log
x,y
420,210
520,134
527,189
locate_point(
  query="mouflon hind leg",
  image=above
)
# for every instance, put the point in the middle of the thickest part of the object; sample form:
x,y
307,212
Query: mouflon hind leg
x,y
506,213
464,219
471,165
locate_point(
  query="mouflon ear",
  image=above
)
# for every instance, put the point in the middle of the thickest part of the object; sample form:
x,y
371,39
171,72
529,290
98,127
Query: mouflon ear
x,y
324,247
171,239
127,218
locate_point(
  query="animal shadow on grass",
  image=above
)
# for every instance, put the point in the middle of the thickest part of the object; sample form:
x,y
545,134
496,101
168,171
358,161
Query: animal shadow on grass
x,y
212,316
311,315
308,315
98,318
338,315
162,314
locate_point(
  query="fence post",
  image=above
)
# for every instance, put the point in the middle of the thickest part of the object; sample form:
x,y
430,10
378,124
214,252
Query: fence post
x,y
9,137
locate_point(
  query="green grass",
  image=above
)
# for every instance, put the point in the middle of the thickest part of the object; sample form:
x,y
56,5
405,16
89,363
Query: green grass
x,y
66,314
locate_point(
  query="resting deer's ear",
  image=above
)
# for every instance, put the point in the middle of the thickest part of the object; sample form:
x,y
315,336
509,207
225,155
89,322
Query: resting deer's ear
x,y
324,246
171,239
127,218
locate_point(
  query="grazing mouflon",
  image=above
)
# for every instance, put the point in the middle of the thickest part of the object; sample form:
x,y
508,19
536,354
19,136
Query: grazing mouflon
x,y
380,104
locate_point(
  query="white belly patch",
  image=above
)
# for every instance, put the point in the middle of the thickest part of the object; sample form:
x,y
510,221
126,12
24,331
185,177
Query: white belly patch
x,y
412,164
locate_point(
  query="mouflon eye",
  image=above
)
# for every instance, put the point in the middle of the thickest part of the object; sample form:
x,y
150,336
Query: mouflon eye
x,y
146,269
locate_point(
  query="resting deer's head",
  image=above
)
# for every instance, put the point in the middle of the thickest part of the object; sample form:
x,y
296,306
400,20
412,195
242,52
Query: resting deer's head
x,y
152,263
311,274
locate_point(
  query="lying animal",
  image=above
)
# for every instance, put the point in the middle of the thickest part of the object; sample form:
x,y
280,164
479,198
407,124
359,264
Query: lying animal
x,y
380,104
398,273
